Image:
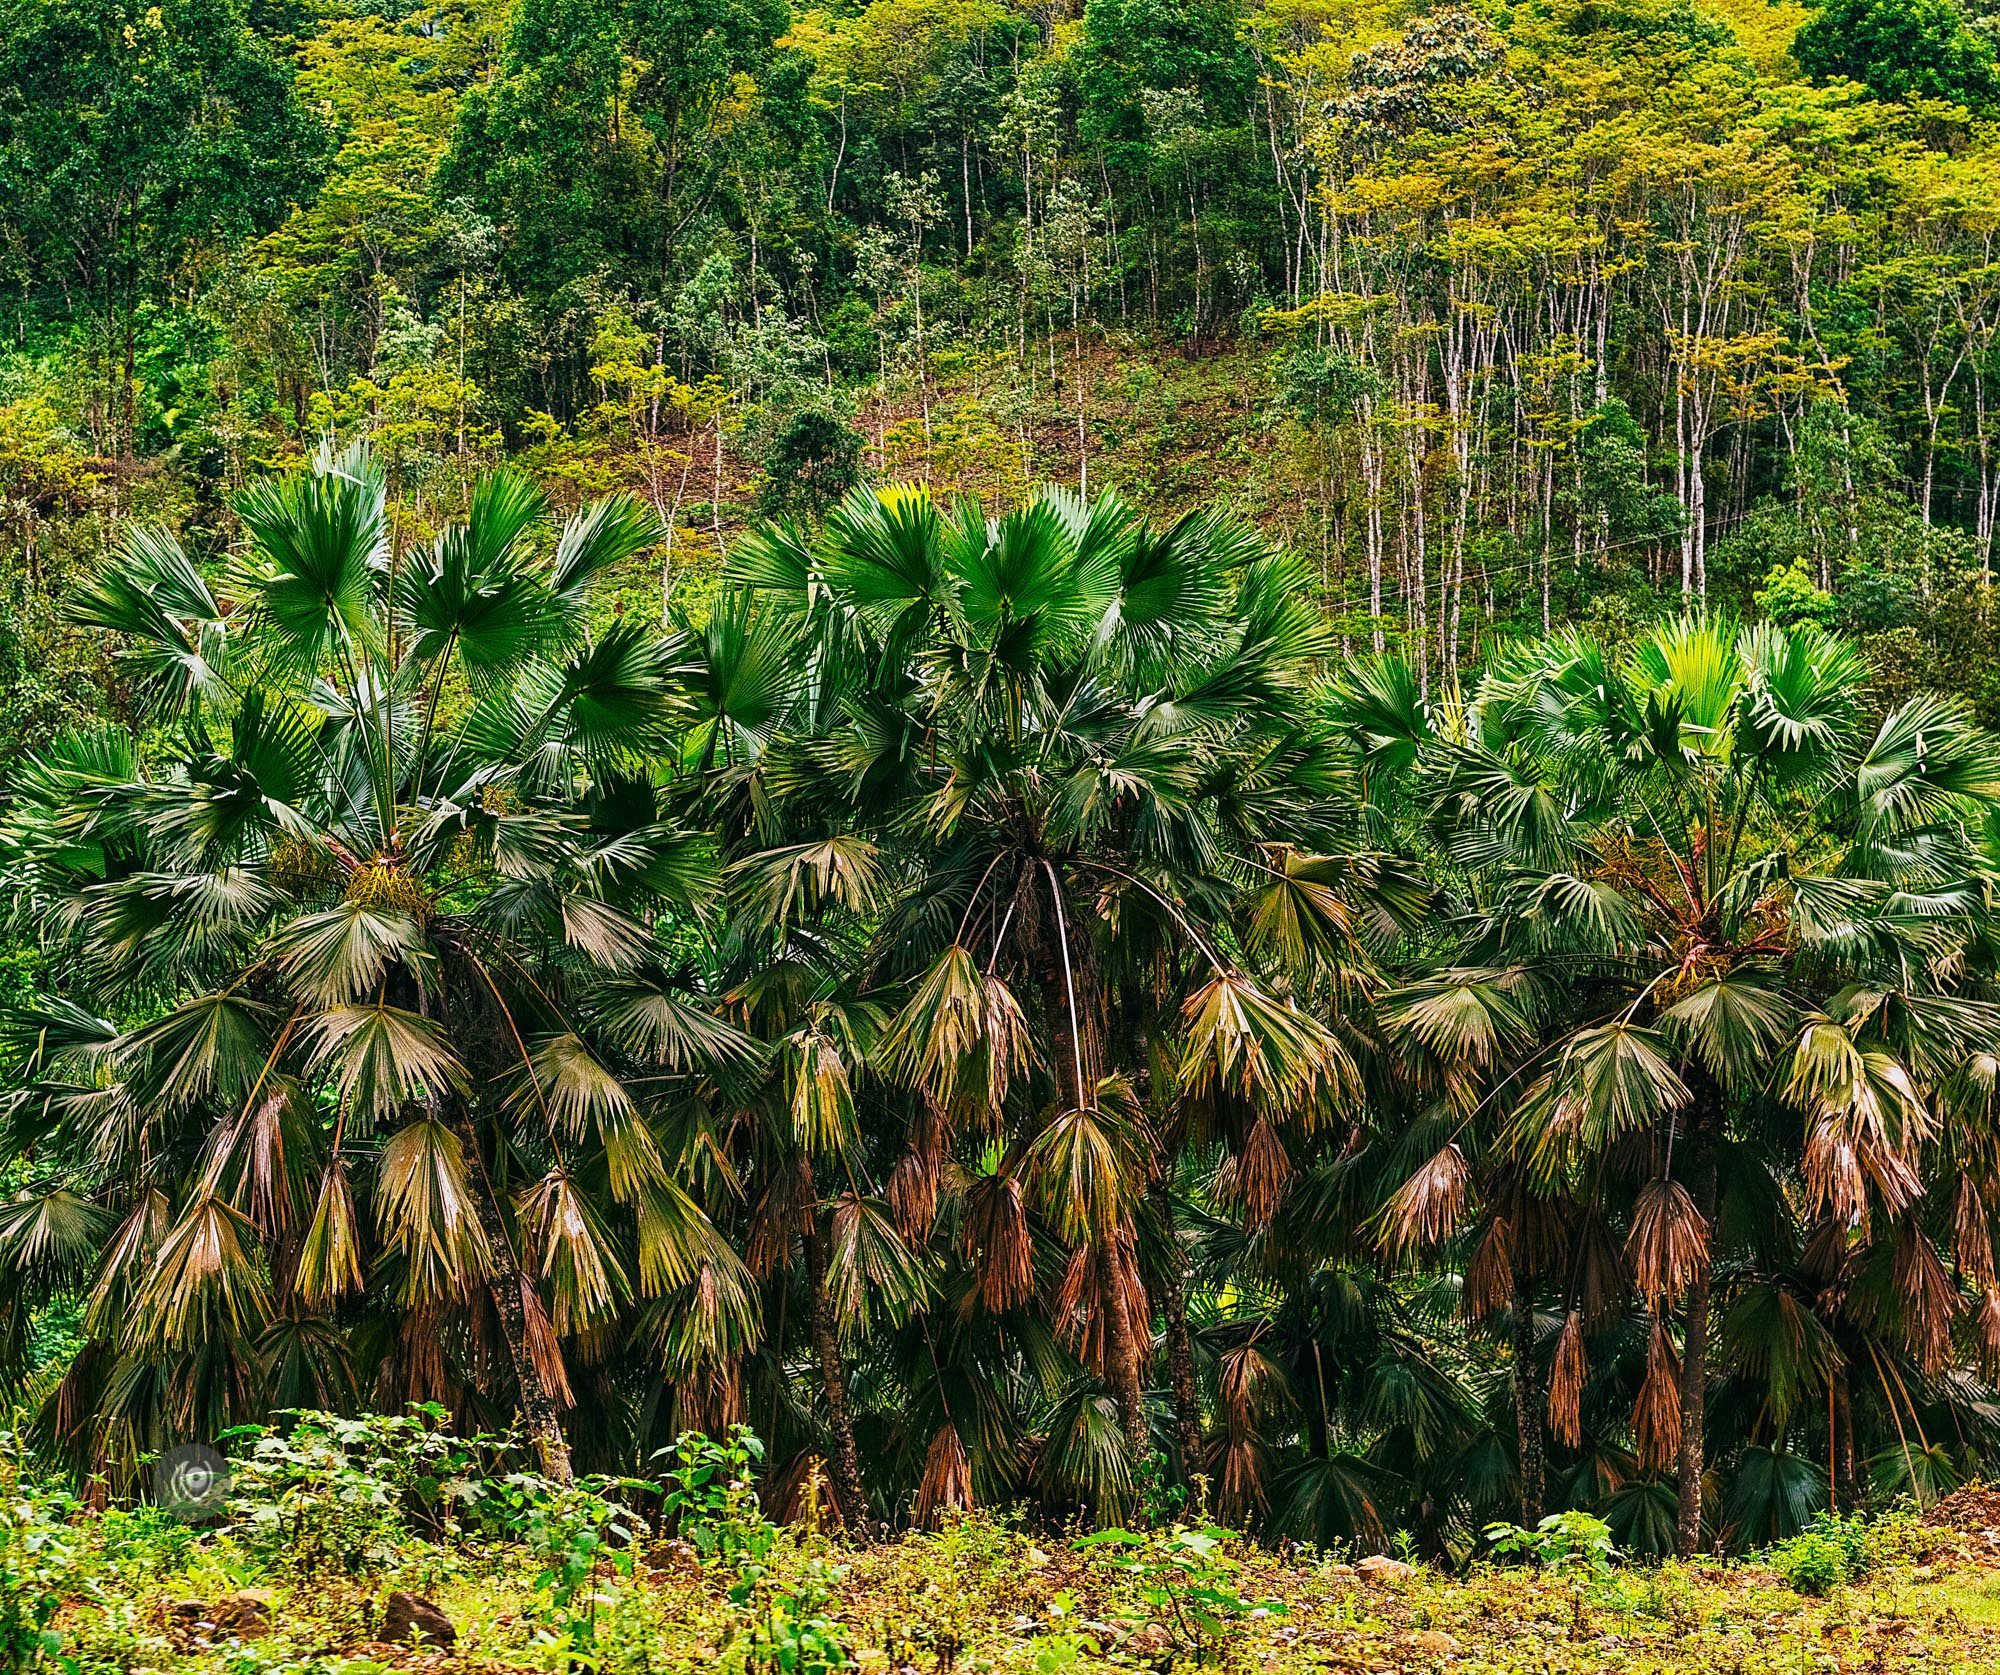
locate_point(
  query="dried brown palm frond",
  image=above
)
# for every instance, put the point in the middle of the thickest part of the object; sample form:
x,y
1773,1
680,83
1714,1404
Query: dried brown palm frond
x,y
1566,1380
911,1192
1986,1319
1928,1298
709,1399
1263,1172
544,1347
257,1157
1972,1234
1656,1415
1489,1273
1666,1243
1836,1184
946,1485
1602,1283
997,1242
1827,1252
1428,1207
1244,1494
128,1259
800,1492
1080,1321
1101,1287
783,1211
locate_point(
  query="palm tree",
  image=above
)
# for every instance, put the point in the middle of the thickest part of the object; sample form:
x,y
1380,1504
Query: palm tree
x,y
1075,752
1743,902
365,1026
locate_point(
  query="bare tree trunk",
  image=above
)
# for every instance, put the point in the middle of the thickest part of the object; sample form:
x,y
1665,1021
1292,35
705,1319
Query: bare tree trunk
x,y
506,1286
1131,1348
1846,1479
1180,1342
847,1485
1703,1126
1530,1401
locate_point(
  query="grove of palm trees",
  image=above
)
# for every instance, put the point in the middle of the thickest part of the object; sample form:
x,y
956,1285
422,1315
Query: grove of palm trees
x,y
1012,1012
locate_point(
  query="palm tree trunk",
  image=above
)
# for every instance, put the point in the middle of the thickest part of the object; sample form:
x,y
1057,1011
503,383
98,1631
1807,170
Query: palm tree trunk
x,y
1530,1401
846,1462
1180,1342
1846,1480
505,1285
1131,1349
1703,1126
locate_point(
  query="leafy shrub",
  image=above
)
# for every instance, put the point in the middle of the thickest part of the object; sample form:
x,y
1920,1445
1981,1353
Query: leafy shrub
x,y
1811,1562
1187,1579
711,1501
791,1634
347,1492
37,1550
1834,1549
1564,1541
571,1529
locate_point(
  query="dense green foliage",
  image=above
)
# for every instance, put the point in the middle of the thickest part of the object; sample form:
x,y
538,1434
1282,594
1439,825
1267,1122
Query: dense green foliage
x,y
1500,315
1417,947
1002,1003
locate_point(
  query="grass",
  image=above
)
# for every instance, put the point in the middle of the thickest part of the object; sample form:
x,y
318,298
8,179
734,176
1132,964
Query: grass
x,y
980,1594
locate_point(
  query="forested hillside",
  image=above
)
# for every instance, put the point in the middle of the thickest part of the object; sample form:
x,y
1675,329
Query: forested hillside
x,y
1501,315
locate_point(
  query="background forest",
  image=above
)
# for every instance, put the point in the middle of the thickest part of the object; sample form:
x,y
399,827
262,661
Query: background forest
x,y
560,869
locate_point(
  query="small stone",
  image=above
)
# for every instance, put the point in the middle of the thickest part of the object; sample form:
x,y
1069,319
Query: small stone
x,y
245,1614
407,1614
1378,1567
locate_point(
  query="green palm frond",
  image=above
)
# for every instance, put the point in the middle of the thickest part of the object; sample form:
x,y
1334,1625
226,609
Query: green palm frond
x,y
873,1276
329,1266
151,592
1086,1171
50,1235
569,1251
961,1034
657,1026
334,957
425,1215
1734,1025
1241,1042
382,1057
318,559
208,1277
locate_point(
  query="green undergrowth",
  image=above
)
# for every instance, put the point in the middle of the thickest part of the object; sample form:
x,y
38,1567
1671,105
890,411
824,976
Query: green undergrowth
x,y
680,1570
